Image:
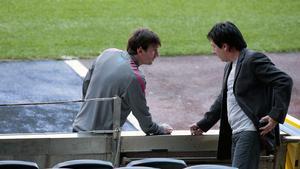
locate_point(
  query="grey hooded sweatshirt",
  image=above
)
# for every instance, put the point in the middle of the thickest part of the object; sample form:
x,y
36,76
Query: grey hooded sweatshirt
x,y
114,73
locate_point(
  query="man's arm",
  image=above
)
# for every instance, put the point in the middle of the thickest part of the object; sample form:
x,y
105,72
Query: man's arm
x,y
280,82
210,118
136,99
87,79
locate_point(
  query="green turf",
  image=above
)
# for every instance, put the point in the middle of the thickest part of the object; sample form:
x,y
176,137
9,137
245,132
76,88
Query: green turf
x,y
31,29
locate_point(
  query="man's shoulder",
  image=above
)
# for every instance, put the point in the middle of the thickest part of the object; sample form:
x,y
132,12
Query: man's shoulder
x,y
250,55
113,55
112,51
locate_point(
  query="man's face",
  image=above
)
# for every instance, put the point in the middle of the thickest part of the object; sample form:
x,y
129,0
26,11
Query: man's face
x,y
220,52
148,56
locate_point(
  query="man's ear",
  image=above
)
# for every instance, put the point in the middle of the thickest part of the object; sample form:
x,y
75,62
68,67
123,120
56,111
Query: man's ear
x,y
226,47
139,50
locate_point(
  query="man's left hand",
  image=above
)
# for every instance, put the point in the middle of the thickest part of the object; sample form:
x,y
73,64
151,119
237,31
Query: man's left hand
x,y
269,126
167,128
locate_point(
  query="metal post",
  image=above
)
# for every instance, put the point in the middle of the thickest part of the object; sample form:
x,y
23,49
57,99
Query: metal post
x,y
116,131
280,157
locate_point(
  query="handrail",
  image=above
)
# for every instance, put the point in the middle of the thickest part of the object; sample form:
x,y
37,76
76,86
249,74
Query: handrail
x,y
56,102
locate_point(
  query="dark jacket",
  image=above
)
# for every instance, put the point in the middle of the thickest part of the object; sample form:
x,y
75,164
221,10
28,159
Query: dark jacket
x,y
260,89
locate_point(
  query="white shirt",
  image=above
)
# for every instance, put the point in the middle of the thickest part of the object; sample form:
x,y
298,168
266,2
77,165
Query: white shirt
x,y
237,118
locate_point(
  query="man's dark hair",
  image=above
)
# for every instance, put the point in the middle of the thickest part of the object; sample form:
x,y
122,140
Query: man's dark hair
x,y
227,32
142,38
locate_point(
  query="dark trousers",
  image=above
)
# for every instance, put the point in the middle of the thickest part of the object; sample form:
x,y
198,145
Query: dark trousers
x,y
245,150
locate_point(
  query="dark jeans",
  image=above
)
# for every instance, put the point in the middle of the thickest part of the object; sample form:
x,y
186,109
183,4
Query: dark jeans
x,y
245,150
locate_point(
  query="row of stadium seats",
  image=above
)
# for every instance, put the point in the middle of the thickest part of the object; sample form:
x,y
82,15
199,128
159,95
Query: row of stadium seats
x,y
148,163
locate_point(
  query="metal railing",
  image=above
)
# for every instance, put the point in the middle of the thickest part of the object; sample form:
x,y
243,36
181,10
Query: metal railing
x,y
116,130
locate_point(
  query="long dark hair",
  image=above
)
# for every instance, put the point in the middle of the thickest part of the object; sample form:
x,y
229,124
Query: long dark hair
x,y
227,32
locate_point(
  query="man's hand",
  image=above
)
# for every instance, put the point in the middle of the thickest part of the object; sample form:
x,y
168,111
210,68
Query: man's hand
x,y
270,125
167,128
195,130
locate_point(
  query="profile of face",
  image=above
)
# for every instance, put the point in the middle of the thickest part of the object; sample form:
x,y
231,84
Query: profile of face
x,y
147,56
220,52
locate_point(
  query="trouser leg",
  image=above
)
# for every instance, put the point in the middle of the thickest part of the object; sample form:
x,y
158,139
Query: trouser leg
x,y
245,150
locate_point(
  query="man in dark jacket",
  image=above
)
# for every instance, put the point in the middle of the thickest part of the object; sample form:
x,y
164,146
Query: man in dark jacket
x,y
255,97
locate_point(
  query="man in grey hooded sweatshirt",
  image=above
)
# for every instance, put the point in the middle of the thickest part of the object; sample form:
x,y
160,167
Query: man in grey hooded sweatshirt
x,y
116,73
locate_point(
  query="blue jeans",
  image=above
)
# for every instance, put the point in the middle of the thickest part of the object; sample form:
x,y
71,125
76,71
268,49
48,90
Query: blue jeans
x,y
245,150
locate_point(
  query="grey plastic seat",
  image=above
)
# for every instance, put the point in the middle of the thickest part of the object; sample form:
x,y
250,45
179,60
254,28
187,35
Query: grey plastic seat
x,y
162,163
85,164
209,166
16,164
136,167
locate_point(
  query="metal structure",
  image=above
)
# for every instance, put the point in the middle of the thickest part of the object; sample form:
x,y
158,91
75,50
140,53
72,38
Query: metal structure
x,y
49,149
121,148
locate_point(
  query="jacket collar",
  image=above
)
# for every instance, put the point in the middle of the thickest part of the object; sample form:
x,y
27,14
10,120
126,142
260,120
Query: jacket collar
x,y
134,60
242,55
237,69
239,61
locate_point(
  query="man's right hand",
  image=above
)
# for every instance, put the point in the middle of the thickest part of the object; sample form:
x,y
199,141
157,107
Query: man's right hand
x,y
195,130
167,128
